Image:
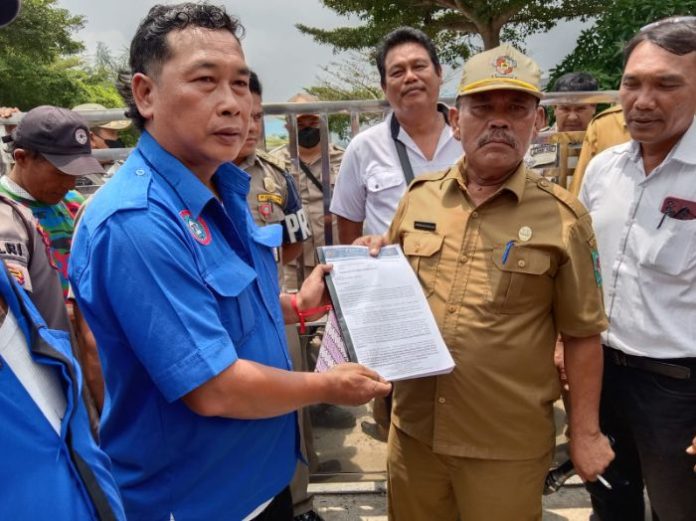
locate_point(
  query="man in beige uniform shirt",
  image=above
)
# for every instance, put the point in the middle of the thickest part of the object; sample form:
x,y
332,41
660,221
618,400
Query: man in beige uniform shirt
x,y
309,181
508,261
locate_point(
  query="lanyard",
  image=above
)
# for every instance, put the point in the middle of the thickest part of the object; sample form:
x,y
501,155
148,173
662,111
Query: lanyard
x,y
401,148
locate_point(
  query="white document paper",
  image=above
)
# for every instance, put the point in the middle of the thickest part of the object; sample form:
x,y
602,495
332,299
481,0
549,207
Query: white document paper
x,y
383,314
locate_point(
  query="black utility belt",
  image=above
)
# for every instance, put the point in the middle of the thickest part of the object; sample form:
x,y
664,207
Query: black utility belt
x,y
681,369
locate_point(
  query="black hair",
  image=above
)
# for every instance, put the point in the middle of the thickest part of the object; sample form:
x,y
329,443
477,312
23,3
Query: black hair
x,y
676,35
401,36
149,49
255,84
575,82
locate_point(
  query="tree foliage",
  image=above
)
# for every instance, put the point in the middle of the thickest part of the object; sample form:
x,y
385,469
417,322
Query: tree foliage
x,y
452,24
352,79
599,49
40,62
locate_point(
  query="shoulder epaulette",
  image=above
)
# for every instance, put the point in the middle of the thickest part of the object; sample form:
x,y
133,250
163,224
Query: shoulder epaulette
x,y
272,160
431,176
611,110
562,195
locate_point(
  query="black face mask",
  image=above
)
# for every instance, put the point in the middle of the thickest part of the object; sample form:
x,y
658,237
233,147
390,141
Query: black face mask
x,y
114,143
308,137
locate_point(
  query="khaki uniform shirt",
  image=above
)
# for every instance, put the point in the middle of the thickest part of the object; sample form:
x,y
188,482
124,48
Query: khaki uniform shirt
x,y
607,129
270,198
498,313
313,202
26,254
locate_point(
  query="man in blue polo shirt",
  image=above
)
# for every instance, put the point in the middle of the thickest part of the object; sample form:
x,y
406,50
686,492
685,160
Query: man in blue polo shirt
x,y
180,289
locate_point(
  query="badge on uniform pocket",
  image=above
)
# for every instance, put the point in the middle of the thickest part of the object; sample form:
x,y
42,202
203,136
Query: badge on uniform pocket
x,y
265,209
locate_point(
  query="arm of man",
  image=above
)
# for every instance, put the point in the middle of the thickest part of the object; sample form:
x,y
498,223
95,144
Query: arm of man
x,y
248,390
196,360
348,231
589,448
291,252
89,359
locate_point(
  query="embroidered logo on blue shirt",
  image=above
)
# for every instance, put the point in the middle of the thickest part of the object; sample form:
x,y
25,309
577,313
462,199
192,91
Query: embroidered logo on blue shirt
x,y
198,228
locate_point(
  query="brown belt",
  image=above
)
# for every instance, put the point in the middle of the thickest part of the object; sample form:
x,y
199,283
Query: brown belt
x,y
651,365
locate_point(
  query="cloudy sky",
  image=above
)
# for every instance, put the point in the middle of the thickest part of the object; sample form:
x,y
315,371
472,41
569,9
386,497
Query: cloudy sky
x,y
285,59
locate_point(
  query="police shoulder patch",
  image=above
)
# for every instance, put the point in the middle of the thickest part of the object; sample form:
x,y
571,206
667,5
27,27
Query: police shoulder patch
x,y
272,160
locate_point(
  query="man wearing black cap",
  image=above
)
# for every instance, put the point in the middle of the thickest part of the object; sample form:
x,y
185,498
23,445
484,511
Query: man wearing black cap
x,y
51,150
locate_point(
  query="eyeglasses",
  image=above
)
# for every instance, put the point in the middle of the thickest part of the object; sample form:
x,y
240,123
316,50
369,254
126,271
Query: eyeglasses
x,y
671,20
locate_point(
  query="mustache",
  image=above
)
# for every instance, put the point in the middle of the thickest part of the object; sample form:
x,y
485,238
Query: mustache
x,y
497,135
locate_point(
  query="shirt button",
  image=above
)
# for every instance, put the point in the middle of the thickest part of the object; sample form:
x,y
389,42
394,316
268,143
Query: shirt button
x,y
140,171
452,309
474,215
441,399
465,258
543,183
521,263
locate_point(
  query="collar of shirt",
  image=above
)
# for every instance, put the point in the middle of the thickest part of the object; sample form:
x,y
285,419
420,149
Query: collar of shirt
x,y
248,162
188,187
15,189
445,136
515,183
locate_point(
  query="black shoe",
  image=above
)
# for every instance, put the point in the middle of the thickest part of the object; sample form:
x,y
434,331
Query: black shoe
x,y
331,417
309,516
374,430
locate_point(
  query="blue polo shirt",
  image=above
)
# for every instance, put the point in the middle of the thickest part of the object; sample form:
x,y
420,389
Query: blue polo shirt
x,y
176,286
43,474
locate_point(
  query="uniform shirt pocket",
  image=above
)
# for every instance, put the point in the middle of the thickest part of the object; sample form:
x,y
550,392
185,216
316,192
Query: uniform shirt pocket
x,y
381,180
232,285
424,251
523,281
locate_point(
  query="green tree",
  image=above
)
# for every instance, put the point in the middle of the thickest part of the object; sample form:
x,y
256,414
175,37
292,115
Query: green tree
x,y
355,78
452,24
40,62
599,49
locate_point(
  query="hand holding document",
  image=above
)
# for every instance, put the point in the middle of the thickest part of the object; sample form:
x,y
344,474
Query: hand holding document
x,y
382,319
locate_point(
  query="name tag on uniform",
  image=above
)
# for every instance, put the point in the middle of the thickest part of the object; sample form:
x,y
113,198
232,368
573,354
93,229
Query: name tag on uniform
x,y
423,225
543,155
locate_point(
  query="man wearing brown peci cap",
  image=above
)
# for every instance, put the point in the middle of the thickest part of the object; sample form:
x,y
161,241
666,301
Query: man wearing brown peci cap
x,y
508,261
51,150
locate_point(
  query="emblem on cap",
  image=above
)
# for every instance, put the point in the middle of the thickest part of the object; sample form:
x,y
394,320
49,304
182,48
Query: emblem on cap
x,y
504,65
198,227
81,136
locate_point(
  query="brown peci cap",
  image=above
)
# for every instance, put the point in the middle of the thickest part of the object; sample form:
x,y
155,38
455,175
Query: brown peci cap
x,y
501,68
59,135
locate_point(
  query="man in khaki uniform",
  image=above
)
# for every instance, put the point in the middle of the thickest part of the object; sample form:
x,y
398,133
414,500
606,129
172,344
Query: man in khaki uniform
x,y
508,261
309,180
608,128
25,251
555,157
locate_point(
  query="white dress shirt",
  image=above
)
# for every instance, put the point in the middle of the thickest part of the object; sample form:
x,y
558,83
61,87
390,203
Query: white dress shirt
x,y
649,269
371,182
